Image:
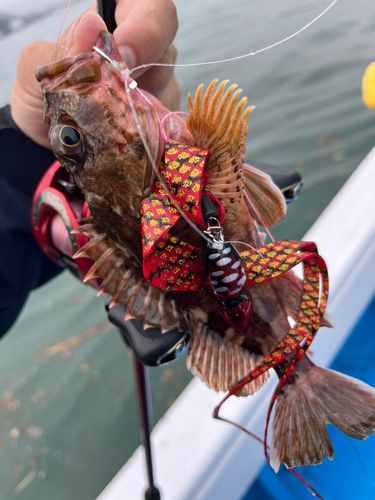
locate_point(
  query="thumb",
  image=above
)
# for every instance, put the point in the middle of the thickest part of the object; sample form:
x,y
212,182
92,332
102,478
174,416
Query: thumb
x,y
82,36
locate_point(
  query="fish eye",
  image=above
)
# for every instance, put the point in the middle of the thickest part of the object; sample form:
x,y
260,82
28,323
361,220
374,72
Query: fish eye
x,y
70,137
67,142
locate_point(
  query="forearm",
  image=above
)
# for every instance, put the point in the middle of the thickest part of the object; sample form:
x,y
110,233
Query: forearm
x,y
23,266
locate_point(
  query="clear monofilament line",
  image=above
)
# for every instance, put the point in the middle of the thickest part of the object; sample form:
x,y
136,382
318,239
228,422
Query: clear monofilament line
x,y
254,436
62,25
139,127
236,58
167,116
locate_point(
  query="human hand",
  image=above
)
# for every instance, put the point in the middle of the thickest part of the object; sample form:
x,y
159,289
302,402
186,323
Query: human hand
x,y
145,32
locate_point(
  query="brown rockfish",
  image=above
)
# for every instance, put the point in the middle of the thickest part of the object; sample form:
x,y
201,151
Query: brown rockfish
x,y
107,158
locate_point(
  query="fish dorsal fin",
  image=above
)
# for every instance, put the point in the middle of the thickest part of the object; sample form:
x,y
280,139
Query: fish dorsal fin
x,y
219,123
124,281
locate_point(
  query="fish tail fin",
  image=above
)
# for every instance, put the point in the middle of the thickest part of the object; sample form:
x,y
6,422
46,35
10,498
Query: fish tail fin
x,y
310,399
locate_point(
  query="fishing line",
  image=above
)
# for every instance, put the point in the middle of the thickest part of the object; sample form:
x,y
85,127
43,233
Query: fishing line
x,y
126,77
236,58
167,116
128,72
257,438
246,245
128,87
152,161
62,25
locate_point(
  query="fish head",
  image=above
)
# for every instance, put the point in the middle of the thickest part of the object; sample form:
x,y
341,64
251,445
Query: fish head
x,y
93,132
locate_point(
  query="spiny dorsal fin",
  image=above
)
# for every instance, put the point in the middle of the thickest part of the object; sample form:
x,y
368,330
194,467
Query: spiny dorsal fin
x,y
125,282
219,123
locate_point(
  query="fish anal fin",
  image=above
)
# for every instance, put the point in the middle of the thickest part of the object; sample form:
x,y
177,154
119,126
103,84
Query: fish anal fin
x,y
112,304
103,261
218,363
129,316
124,281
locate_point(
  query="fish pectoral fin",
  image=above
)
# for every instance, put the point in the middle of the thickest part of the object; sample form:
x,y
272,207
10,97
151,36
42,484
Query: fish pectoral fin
x,y
312,398
219,363
264,199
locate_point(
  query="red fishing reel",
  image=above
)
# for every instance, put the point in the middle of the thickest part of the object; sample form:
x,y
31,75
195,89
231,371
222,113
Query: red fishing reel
x,y
56,206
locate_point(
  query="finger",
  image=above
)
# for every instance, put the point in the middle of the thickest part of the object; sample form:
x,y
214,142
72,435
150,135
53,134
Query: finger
x,y
26,98
157,78
83,35
145,29
66,40
80,38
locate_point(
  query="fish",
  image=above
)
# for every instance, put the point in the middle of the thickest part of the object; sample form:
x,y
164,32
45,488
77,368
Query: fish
x,y
95,136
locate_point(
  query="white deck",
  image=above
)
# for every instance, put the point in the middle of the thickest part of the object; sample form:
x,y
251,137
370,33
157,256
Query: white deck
x,y
198,458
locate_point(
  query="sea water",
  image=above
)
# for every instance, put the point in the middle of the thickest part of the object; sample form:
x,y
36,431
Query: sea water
x,y
67,406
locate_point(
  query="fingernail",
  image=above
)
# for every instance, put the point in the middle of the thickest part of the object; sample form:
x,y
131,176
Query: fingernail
x,y
128,56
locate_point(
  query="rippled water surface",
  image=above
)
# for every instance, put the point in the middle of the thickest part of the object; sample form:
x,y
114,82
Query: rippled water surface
x,y
67,407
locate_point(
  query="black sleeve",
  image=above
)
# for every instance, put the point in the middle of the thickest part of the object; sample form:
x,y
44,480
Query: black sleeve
x,y
23,266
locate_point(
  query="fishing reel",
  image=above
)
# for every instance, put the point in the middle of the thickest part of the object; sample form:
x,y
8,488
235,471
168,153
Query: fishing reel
x,y
150,347
58,202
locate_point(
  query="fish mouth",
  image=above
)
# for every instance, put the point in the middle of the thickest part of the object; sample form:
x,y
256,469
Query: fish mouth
x,y
71,70
82,68
80,74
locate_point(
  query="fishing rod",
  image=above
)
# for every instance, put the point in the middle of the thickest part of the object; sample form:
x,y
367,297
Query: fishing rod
x,y
149,347
106,10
